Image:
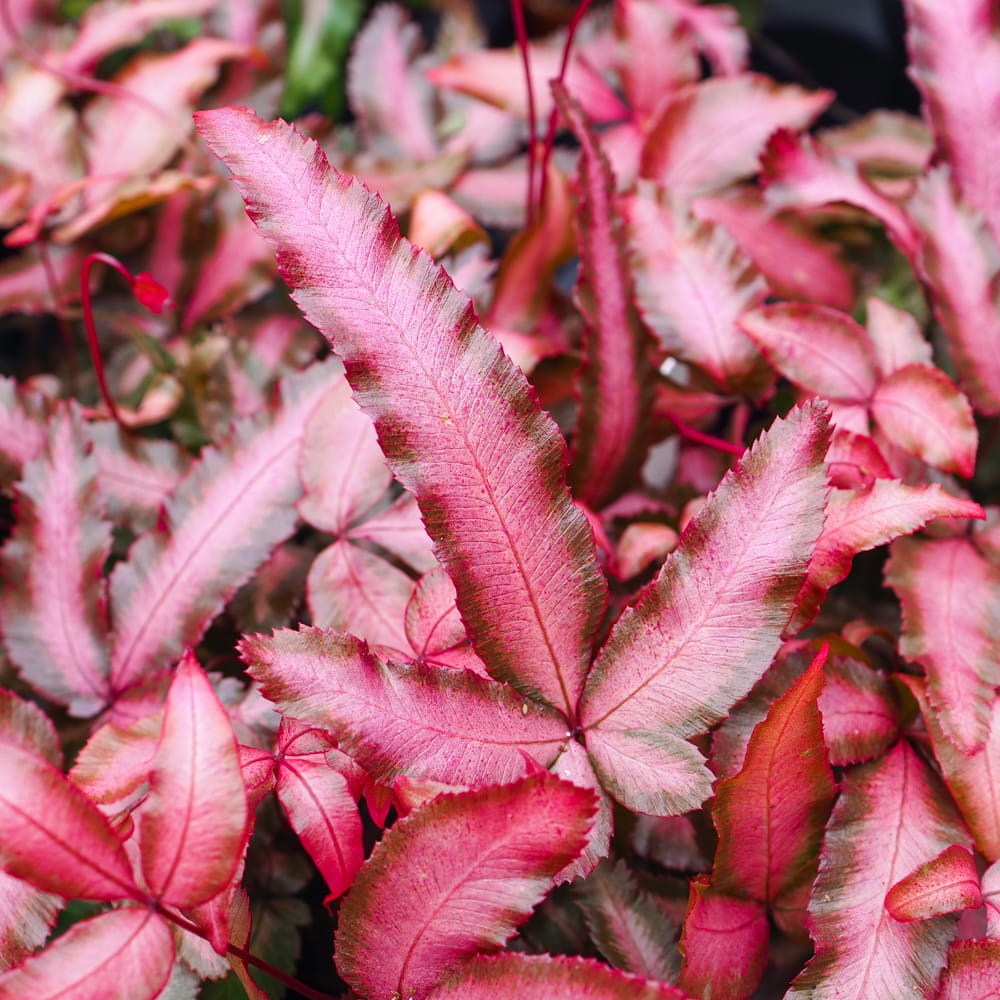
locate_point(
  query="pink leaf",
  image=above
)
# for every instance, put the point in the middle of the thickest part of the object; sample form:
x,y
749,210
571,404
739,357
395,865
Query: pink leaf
x,y
692,283
547,977
661,57
53,836
105,29
954,53
26,914
972,971
724,943
389,93
126,954
920,409
855,461
439,225
990,889
889,146
641,545
859,520
803,172
971,778
136,474
657,773
497,77
820,349
523,286
720,37
340,492
447,725
22,420
712,133
672,842
238,268
115,762
946,883
892,816
456,878
896,336
731,739
616,379
232,509
325,816
350,588
142,136
240,923
795,261
35,107
960,261
575,766
698,640
194,824
861,711
26,725
436,384
53,610
770,816
26,919
434,627
399,529
949,594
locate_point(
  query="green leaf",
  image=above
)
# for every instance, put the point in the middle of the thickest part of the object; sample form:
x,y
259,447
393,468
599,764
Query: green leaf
x,y
319,37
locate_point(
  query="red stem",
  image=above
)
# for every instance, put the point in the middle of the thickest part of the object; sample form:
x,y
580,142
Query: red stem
x,y
521,31
88,321
290,981
700,437
550,133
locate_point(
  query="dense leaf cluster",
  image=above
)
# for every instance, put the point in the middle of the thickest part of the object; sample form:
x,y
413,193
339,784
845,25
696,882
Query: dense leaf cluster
x,y
527,621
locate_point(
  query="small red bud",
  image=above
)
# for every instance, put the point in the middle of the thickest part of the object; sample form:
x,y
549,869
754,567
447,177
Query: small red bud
x,y
151,293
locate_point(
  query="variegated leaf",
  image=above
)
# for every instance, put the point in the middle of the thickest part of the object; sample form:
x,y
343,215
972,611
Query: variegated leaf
x,y
631,931
194,825
393,718
53,609
547,977
892,816
480,862
770,816
951,620
126,954
616,384
456,420
955,52
859,520
699,638
233,508
712,133
692,284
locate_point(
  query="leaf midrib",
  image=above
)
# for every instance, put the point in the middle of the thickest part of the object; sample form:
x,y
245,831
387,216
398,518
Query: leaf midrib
x,y
376,302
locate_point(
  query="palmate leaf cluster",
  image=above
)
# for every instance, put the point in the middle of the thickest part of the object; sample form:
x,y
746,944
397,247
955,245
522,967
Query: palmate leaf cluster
x,y
631,636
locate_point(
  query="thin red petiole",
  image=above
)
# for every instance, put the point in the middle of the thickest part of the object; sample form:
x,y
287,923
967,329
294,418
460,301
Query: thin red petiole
x,y
521,31
148,291
258,963
550,132
690,433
